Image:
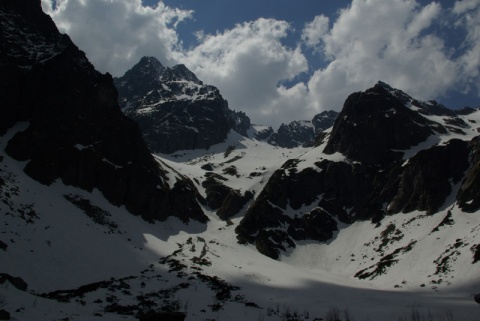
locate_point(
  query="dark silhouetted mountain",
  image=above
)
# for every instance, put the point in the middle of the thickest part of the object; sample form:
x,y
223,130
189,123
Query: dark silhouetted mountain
x,y
175,110
374,125
75,129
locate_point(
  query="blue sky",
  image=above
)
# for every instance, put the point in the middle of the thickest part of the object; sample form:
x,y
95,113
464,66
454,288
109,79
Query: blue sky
x,y
281,60
213,15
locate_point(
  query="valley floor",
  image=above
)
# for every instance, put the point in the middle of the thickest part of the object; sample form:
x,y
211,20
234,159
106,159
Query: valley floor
x,y
63,238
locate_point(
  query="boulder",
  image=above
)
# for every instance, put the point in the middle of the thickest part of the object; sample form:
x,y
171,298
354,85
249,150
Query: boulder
x,y
476,297
17,282
4,314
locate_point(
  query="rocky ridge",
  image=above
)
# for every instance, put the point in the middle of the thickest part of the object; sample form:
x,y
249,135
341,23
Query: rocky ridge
x,y
381,157
76,131
177,111
298,133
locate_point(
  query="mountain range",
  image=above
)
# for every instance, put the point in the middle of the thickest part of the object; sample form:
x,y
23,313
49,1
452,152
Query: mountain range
x,y
177,111
322,219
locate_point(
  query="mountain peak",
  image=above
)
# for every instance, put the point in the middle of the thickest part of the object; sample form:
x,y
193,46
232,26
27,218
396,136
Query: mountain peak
x,y
430,107
149,60
376,124
383,88
383,85
147,67
175,110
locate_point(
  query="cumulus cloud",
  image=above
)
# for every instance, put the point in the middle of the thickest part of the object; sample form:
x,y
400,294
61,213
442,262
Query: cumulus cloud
x,y
314,31
247,63
463,6
115,34
378,40
395,42
468,12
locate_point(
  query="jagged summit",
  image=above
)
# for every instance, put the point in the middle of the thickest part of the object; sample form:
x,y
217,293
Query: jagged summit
x,y
149,83
158,97
175,110
148,70
294,134
298,132
376,124
430,107
147,66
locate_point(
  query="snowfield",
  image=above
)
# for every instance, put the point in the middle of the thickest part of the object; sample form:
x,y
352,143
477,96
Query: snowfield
x,y
62,238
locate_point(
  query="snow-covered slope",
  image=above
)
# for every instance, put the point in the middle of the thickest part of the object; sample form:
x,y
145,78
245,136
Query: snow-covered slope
x,y
361,229
433,251
54,243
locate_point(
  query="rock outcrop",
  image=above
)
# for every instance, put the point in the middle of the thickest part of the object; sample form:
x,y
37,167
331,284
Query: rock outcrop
x,y
225,200
469,194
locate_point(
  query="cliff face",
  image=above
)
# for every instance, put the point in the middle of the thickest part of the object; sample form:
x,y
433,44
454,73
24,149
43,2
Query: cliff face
x,y
76,131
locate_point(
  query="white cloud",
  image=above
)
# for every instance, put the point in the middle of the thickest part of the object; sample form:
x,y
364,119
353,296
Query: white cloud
x,y
383,40
370,40
115,34
468,12
463,6
314,31
247,63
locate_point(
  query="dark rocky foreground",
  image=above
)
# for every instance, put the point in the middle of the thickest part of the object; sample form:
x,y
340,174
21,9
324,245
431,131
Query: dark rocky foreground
x,y
76,131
